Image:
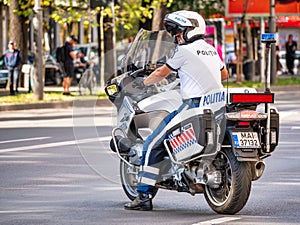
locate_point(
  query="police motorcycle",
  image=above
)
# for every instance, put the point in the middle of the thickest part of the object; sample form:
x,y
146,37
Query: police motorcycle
x,y
216,149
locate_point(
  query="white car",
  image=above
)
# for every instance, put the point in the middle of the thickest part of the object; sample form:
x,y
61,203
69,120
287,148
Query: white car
x,y
90,51
3,78
282,61
3,73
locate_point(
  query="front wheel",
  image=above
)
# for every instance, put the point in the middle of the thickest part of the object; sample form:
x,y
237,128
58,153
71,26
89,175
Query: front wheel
x,y
233,193
129,179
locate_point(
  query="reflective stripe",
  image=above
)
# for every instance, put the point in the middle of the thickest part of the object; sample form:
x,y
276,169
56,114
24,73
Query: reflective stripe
x,y
150,169
161,134
148,181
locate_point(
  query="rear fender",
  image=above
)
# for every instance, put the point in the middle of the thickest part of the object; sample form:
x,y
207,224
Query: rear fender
x,y
241,154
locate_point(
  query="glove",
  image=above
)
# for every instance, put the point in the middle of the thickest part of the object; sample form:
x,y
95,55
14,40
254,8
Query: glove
x,y
138,83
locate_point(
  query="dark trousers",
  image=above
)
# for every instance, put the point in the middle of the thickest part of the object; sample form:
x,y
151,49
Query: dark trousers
x,y
290,64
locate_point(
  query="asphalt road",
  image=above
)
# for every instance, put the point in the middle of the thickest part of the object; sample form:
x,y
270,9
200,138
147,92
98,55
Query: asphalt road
x,y
56,168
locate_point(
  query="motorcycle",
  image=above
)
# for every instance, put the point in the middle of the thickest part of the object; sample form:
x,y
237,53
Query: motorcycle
x,y
216,149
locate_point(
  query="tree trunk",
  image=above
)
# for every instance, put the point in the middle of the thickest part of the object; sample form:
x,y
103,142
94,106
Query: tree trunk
x,y
108,50
249,41
38,59
18,30
1,28
250,56
239,52
158,15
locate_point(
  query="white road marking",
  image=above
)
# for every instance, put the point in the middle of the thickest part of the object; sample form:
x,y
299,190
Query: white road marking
x,y
219,220
109,188
24,211
56,144
25,139
289,142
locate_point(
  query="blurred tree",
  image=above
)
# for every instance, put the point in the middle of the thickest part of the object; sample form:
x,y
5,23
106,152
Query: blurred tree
x,y
128,13
18,25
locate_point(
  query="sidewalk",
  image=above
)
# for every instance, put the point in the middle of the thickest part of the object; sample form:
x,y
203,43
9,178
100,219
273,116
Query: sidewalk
x,y
4,91
46,105
99,102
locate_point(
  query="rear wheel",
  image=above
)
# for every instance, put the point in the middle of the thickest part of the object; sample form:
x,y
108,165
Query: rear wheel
x,y
129,179
233,193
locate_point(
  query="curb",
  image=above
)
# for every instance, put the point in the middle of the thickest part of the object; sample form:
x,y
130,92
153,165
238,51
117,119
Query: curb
x,y
56,105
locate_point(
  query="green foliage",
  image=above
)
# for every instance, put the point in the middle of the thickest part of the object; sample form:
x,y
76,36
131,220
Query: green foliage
x,y
127,13
5,2
132,10
283,81
74,11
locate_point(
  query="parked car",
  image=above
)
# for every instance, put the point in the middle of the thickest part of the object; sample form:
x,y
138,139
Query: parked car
x,y
282,61
53,71
90,51
3,73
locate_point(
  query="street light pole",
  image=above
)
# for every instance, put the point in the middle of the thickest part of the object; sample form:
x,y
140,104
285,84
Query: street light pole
x,y
102,59
272,29
38,50
114,38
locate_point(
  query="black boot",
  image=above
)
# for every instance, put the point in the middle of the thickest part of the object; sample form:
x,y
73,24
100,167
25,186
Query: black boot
x,y
141,202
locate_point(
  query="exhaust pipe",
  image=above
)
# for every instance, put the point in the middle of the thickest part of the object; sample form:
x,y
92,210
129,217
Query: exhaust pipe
x,y
257,170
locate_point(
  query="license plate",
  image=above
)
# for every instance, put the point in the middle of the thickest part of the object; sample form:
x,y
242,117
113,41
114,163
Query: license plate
x,y
245,140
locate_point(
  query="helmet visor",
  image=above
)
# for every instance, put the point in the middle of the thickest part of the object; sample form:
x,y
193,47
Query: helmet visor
x,y
172,28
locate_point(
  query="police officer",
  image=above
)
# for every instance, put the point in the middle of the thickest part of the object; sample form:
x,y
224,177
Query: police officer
x,y
200,70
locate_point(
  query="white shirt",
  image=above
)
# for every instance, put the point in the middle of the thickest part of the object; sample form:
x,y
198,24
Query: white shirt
x,y
230,57
199,68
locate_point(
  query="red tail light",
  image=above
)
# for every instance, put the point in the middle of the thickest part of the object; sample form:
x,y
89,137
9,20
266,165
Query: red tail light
x,y
243,123
252,97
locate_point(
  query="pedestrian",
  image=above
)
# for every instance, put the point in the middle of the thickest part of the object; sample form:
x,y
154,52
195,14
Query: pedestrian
x,y
290,48
200,70
68,63
231,61
13,62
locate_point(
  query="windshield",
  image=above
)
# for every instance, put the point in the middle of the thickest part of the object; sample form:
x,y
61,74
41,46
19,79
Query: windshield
x,y
149,47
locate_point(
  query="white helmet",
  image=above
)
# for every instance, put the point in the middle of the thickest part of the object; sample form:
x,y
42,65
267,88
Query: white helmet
x,y
190,23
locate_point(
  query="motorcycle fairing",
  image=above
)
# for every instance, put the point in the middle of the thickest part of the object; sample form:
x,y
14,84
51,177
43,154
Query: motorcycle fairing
x,y
127,112
145,123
